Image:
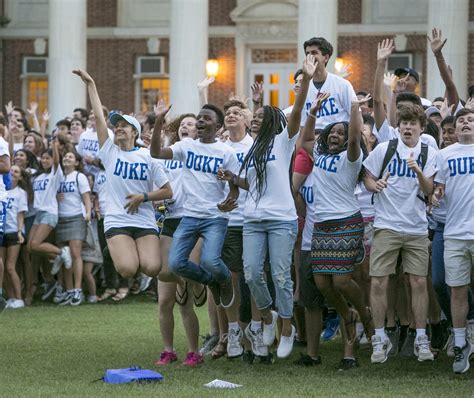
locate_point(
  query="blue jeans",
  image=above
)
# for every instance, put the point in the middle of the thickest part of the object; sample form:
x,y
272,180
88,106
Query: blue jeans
x,y
278,237
438,276
211,268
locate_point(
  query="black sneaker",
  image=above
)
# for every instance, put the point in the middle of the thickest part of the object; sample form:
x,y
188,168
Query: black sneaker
x,y
306,360
76,298
227,293
68,298
394,336
347,364
248,356
216,292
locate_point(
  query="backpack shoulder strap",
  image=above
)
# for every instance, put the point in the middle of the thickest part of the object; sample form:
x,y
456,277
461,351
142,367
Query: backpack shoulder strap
x,y
391,150
423,155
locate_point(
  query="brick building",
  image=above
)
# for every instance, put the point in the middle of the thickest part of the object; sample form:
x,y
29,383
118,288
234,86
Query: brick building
x,y
125,45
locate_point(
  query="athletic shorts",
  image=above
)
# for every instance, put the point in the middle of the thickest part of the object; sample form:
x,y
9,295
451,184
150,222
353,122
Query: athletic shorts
x,y
134,232
43,217
458,261
10,239
169,226
233,249
387,245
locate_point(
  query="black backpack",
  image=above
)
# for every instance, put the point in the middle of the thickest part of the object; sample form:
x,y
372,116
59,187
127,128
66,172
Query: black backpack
x,y
392,150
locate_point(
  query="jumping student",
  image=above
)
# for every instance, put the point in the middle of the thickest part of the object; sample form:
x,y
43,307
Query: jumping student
x,y
74,193
205,206
270,220
337,244
401,225
130,227
17,205
455,180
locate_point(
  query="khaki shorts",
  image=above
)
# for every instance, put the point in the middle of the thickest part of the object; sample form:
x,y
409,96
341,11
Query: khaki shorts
x,y
386,246
458,261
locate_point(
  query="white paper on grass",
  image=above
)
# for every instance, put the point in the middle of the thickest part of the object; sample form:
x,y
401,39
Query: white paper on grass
x,y
221,384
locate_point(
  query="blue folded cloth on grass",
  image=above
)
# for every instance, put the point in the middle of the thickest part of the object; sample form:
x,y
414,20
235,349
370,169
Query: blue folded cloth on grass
x,y
131,375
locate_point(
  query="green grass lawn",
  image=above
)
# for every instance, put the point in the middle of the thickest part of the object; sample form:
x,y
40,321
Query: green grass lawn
x,y
47,351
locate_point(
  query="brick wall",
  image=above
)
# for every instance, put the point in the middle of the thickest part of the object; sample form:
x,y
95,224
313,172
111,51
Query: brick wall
x,y
224,50
471,10
101,13
361,52
219,12
13,52
112,64
349,11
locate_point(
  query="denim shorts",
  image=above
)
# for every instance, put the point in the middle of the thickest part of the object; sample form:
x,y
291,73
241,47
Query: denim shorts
x,y
43,217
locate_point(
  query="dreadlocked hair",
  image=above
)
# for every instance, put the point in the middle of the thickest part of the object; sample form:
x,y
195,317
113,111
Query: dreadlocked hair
x,y
323,147
273,123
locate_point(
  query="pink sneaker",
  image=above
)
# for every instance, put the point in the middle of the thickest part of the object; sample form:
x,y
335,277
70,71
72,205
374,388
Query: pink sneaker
x,y
193,359
166,358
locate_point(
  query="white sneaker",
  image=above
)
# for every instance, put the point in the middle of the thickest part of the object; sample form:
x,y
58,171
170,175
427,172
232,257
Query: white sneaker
x,y
286,344
380,349
269,331
66,257
58,261
422,349
92,299
9,302
234,346
16,303
256,340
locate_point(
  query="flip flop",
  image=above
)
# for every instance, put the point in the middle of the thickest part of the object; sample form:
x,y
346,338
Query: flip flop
x,y
201,298
107,294
121,294
182,294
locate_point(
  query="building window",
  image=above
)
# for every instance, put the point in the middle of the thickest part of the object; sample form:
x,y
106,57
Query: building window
x,y
152,82
35,82
399,60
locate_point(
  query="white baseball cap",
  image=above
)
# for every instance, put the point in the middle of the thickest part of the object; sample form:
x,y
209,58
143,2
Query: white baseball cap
x,y
116,117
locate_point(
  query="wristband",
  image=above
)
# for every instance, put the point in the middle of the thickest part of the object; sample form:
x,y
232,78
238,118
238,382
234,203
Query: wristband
x,y
145,197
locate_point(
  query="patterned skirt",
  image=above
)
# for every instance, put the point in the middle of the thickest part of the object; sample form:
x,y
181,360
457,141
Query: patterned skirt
x,y
338,245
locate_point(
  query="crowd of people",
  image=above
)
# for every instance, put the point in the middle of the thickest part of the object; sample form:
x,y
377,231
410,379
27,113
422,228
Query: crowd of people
x,y
348,211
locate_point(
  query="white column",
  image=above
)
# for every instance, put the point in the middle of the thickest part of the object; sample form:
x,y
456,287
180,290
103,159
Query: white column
x,y
451,16
317,18
67,51
188,52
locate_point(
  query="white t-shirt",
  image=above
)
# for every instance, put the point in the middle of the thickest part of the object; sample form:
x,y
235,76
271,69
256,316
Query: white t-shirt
x,y
174,172
287,111
335,178
364,198
397,207
387,133
337,108
276,202
89,146
129,173
308,194
241,148
3,151
17,202
45,187
456,171
71,204
100,188
202,190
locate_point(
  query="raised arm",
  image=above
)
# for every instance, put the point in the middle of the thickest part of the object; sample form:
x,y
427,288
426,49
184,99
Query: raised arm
x,y
34,117
257,95
100,123
156,150
355,129
307,138
437,43
56,157
384,50
309,68
203,90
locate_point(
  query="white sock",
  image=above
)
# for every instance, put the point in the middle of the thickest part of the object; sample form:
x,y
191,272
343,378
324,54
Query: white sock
x,y
381,332
459,337
420,332
234,326
255,325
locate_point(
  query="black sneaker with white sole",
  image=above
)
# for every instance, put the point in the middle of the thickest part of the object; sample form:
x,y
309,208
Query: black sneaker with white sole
x,y
76,298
